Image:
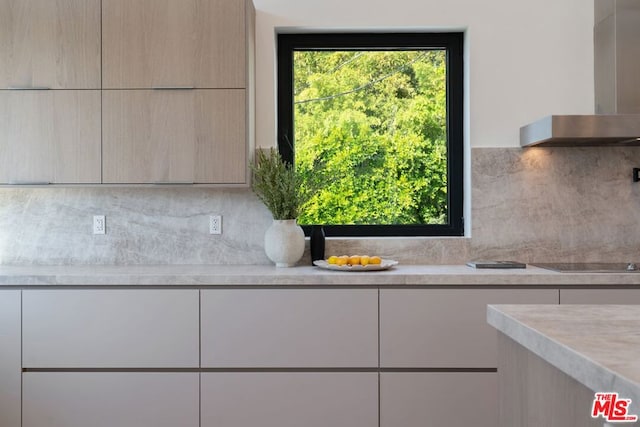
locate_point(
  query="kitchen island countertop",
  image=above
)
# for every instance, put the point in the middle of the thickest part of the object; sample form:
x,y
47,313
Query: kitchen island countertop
x,y
597,345
268,275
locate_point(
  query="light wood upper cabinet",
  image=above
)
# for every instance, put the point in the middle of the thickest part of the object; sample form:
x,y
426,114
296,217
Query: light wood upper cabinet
x,y
193,43
123,132
50,43
174,136
50,136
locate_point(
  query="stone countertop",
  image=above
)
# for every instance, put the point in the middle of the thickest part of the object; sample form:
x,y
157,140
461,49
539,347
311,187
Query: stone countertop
x,y
598,345
267,275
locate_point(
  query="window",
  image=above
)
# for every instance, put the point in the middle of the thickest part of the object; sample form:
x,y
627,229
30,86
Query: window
x,y
374,123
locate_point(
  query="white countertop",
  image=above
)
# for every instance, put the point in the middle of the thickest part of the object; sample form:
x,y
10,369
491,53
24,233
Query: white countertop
x,y
266,275
598,345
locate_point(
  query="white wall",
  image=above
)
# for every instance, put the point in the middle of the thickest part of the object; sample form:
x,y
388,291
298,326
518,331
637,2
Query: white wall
x,y
525,58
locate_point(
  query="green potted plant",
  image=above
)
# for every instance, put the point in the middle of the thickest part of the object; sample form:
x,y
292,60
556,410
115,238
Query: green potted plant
x,y
280,188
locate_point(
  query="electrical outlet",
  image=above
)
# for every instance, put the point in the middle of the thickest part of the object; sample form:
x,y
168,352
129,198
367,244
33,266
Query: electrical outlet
x,y
99,224
215,224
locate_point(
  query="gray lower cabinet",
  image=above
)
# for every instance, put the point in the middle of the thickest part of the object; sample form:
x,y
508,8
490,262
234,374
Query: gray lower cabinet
x,y
110,357
445,328
109,399
110,328
289,328
289,399
599,296
447,352
419,399
255,357
10,368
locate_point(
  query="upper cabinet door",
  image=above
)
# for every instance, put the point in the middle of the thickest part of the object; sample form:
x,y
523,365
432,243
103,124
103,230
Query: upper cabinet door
x,y
173,43
50,43
174,136
50,136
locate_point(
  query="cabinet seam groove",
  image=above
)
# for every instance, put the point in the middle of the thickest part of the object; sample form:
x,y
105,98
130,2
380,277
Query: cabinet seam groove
x,y
379,376
21,362
202,370
101,101
200,357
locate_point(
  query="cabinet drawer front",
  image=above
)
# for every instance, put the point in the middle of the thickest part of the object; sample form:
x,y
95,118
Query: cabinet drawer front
x,y
193,136
445,328
411,399
110,328
10,378
599,296
278,399
289,328
108,399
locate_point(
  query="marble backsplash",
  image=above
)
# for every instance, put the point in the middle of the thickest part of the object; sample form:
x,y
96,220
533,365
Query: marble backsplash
x,y
143,225
540,204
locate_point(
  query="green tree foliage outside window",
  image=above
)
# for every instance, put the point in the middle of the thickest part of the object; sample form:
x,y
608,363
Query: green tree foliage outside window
x,y
371,132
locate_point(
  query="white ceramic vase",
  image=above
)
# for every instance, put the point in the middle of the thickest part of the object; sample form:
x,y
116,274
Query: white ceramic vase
x,y
284,242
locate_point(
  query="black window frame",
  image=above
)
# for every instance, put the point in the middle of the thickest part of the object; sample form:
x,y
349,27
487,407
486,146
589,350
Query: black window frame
x,y
453,43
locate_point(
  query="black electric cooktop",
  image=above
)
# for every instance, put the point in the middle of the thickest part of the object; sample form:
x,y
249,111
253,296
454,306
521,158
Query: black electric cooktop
x,y
590,267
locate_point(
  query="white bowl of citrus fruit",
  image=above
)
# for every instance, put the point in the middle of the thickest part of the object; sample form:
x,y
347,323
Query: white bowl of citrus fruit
x,y
355,263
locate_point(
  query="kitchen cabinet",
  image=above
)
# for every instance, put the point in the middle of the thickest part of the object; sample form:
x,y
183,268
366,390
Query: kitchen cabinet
x,y
289,328
177,102
599,296
418,399
107,399
290,399
94,328
159,43
174,136
442,330
50,43
536,393
445,328
10,366
148,134
269,356
50,136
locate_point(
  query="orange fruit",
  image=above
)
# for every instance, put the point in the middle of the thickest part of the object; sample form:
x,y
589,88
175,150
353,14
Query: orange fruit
x,y
354,260
364,260
342,260
332,259
375,260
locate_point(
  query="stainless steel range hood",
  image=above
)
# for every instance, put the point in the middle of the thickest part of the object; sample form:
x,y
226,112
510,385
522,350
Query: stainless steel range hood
x,y
617,86
585,130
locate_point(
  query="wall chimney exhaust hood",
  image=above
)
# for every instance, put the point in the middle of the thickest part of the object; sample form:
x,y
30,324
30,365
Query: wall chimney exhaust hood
x,y
617,86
